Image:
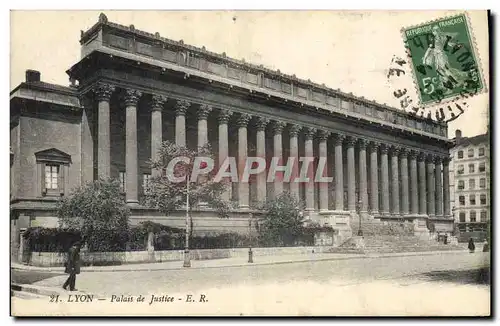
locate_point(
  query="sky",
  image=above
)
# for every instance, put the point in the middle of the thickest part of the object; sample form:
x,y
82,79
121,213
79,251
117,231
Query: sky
x,y
349,50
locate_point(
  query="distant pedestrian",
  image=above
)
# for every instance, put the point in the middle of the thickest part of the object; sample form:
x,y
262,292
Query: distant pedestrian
x,y
445,239
72,266
471,246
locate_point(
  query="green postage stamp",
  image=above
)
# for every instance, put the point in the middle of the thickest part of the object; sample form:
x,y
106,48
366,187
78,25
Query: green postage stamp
x,y
444,60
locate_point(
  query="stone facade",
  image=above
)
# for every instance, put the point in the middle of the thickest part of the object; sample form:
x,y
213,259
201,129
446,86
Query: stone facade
x,y
136,89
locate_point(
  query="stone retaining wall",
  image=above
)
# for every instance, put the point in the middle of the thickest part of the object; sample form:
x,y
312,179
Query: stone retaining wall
x,y
53,259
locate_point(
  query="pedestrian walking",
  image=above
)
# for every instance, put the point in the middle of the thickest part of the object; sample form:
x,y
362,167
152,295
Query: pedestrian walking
x,y
471,246
72,266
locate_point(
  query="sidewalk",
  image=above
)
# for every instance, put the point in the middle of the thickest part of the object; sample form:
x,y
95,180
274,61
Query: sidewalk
x,y
233,262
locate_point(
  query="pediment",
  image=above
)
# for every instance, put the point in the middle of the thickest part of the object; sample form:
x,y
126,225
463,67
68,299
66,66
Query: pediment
x,y
53,155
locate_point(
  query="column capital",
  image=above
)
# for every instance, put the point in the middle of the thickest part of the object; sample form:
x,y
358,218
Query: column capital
x,y
309,132
384,149
350,141
338,139
323,134
294,129
446,160
261,123
157,102
430,158
438,160
278,127
412,154
243,120
104,91
362,143
224,116
421,156
403,152
181,107
373,146
131,97
395,150
203,111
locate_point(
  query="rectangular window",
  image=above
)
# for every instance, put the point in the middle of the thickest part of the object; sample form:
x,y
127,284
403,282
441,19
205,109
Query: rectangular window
x,y
122,181
482,167
470,152
472,183
460,169
484,216
461,217
471,168
460,154
461,200
482,183
461,185
51,177
145,182
472,199
482,199
481,151
472,216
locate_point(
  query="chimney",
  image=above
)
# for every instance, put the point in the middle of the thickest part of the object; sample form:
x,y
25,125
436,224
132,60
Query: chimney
x,y
32,76
458,136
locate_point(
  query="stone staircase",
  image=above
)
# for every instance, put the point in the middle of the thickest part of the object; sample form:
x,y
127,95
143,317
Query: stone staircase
x,y
388,237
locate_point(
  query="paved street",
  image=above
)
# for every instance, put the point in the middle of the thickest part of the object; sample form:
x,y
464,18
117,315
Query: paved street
x,y
439,284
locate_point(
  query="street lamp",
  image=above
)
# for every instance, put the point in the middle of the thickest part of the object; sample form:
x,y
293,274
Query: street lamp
x,y
187,258
250,253
360,231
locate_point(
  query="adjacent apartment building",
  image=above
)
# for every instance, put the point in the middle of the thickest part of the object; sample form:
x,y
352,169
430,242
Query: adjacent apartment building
x,y
470,182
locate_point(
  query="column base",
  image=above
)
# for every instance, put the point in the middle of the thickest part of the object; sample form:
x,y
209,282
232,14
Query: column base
x,y
243,207
133,203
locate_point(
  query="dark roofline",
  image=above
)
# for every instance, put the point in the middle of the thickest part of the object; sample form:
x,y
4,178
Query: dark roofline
x,y
103,21
43,86
474,140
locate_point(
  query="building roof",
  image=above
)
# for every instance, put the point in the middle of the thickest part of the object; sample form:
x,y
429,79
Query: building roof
x,y
40,85
475,140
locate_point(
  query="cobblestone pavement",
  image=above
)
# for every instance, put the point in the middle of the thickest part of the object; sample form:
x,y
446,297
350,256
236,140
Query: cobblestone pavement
x,y
437,285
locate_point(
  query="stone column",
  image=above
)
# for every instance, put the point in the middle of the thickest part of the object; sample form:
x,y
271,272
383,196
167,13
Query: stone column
x,y
309,186
405,191
323,153
261,178
278,127
131,167
431,187
363,177
422,191
385,179
446,187
180,122
351,174
103,92
203,112
374,178
156,128
294,152
395,180
243,192
439,186
223,118
339,173
414,182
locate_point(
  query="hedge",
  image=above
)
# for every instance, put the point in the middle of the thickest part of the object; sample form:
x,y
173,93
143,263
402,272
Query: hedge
x,y
135,239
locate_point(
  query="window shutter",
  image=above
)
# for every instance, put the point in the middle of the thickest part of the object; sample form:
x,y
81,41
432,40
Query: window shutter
x,y
60,179
42,179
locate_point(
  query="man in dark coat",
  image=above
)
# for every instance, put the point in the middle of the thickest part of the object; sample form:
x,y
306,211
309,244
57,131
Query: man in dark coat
x,y
471,246
72,266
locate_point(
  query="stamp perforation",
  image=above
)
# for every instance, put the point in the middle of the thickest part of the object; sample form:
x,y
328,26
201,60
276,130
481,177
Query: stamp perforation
x,y
474,49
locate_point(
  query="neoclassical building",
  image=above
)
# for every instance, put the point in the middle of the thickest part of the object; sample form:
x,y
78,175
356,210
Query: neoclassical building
x,y
131,90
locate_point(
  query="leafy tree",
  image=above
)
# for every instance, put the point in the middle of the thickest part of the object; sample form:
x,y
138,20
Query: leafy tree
x,y
99,211
282,221
169,195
